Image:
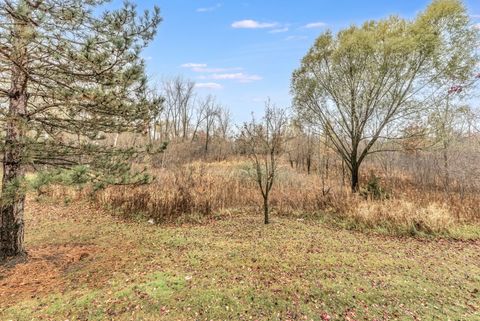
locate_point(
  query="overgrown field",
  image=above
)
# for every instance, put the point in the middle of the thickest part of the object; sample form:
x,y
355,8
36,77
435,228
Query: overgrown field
x,y
86,264
194,192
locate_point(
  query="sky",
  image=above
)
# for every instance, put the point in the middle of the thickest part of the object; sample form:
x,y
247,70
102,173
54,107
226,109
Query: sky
x,y
245,51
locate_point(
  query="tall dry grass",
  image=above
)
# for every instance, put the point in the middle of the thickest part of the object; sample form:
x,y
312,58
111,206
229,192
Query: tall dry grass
x,y
200,190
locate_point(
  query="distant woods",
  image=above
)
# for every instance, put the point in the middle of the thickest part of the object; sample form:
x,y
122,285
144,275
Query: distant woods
x,y
187,125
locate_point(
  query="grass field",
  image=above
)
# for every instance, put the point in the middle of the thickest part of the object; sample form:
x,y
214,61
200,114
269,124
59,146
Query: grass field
x,y
87,265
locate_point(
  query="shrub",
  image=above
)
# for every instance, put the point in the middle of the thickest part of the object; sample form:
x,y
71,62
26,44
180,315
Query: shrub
x,y
374,190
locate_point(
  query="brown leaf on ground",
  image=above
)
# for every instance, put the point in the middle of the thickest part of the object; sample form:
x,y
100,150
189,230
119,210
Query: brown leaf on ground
x,y
42,272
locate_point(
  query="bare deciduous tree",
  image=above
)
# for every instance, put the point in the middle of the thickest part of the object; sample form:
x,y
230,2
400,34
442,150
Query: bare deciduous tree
x,y
264,143
179,104
449,122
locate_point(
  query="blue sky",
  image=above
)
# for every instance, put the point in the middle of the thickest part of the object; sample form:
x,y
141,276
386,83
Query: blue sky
x,y
245,51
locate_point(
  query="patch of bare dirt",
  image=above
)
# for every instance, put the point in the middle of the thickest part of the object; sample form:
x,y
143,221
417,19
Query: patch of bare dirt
x,y
42,272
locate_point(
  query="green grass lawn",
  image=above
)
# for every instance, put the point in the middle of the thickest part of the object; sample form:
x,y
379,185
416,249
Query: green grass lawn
x,y
86,265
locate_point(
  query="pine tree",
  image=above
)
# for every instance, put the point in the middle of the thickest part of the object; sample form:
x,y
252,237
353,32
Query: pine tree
x,y
69,75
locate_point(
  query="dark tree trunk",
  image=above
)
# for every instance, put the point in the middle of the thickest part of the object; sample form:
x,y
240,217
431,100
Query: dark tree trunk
x,y
266,210
13,193
355,178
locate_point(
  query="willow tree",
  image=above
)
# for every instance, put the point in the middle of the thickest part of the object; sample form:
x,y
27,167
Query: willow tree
x,y
360,84
69,76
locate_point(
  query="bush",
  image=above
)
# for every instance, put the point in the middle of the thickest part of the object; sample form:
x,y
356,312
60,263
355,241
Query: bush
x,y
374,190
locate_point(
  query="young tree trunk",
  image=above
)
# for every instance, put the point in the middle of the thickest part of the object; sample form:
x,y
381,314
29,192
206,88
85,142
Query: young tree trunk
x,y
266,210
446,177
327,167
13,194
207,140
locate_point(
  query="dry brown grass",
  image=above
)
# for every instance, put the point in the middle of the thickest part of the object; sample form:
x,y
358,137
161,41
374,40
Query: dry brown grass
x,y
199,191
462,205
395,214
202,189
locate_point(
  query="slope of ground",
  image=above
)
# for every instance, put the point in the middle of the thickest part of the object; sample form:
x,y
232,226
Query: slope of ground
x,y
86,265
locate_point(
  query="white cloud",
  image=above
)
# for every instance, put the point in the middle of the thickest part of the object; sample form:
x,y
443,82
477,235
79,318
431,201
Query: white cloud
x,y
239,76
252,24
279,30
212,70
315,25
209,9
193,65
291,38
204,68
208,70
208,85
475,16
477,26
219,74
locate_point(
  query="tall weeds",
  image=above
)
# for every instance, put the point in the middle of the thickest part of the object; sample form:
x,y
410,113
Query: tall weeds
x,y
199,191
